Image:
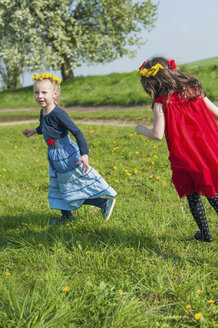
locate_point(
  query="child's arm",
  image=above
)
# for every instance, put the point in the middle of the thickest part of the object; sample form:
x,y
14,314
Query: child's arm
x,y
212,107
157,132
28,133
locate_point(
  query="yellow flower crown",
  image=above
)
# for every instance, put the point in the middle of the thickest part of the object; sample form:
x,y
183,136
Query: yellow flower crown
x,y
44,76
147,72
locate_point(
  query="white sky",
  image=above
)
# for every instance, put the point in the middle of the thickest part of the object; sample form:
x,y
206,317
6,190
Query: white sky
x,y
186,30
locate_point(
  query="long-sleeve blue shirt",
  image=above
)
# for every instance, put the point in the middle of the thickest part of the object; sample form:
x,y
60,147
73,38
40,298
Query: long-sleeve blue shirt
x,y
57,124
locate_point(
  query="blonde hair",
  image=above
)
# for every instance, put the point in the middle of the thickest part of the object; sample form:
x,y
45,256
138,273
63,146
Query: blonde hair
x,y
56,81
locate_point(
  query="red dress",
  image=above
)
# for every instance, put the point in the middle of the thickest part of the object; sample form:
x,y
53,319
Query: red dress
x,y
192,137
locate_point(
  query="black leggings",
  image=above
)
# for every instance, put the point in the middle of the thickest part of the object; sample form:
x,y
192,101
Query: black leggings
x,y
197,209
98,202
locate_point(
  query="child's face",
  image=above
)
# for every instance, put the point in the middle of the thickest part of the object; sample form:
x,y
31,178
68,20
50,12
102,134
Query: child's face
x,y
45,93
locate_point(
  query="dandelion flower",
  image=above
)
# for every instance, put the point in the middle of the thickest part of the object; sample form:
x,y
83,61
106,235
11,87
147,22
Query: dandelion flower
x,y
116,180
198,291
58,250
188,307
210,301
128,173
4,170
158,178
136,171
120,292
198,316
88,277
66,289
114,167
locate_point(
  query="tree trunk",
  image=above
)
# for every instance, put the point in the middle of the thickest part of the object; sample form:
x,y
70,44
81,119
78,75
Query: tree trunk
x,y
66,70
11,77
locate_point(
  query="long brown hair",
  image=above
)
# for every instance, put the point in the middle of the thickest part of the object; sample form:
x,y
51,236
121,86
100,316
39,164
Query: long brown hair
x,y
168,81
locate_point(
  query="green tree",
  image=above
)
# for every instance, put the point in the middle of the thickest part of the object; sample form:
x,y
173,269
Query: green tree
x,y
64,34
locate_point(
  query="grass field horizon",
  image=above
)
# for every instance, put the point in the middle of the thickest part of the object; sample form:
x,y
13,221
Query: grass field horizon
x,y
115,89
141,269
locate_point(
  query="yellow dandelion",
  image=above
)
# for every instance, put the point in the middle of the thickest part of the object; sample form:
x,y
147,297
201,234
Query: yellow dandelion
x,y
131,135
37,160
51,256
69,257
198,291
128,173
158,178
40,245
188,307
88,277
137,152
136,171
58,250
150,176
120,291
210,301
27,275
115,167
116,180
7,273
198,316
66,289
4,170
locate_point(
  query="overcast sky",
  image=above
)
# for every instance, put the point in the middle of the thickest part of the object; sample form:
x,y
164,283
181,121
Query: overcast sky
x,y
186,30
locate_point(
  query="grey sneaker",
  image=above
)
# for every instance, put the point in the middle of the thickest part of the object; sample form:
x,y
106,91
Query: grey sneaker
x,y
109,208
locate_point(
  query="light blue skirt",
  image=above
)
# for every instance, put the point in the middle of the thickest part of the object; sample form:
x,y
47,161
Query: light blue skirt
x,y
69,186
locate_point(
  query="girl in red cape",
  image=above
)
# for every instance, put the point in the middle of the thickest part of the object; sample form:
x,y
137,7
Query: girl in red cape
x,y
188,119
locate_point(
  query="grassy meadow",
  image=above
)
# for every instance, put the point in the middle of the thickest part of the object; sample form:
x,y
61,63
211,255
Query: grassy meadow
x,y
140,269
114,89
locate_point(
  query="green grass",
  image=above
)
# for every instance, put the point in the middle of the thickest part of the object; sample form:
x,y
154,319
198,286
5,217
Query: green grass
x,y
114,89
140,269
143,115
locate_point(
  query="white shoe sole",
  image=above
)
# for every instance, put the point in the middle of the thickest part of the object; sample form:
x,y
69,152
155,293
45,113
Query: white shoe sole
x,y
111,210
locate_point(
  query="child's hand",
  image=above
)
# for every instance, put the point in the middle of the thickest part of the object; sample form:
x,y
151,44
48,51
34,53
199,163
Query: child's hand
x,y
140,129
28,133
85,160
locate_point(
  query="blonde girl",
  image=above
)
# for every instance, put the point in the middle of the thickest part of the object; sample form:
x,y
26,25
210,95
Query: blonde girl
x,y
73,182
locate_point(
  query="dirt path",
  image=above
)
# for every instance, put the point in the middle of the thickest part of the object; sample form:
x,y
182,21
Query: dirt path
x,y
90,122
81,108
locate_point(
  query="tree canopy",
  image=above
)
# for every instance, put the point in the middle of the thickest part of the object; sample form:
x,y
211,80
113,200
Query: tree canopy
x,y
64,34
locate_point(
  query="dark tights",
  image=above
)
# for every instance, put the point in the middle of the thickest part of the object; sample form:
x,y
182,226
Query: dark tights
x,y
98,202
198,212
